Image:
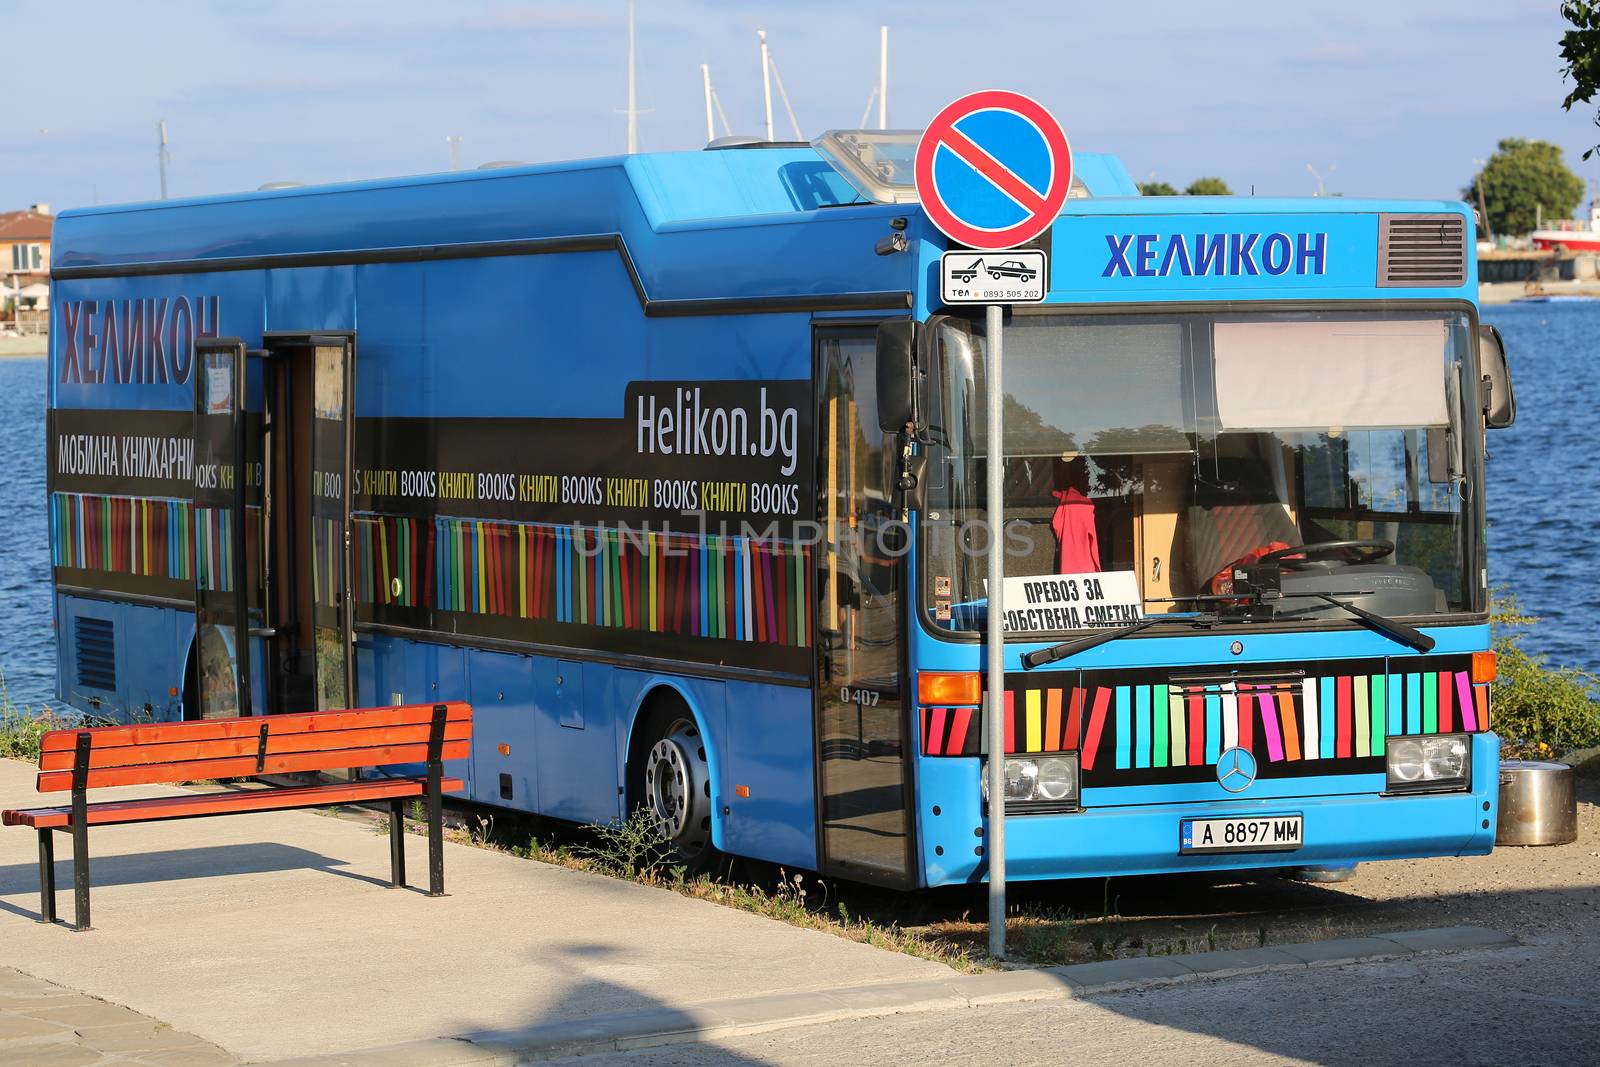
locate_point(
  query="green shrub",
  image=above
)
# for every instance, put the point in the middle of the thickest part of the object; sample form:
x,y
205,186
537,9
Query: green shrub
x,y
631,848
22,727
1538,710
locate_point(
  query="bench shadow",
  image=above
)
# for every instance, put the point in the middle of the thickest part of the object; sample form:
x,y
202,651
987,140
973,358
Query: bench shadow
x,y
172,865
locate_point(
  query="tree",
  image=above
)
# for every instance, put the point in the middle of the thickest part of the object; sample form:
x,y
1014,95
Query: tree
x,y
1580,48
1523,180
1208,187
1157,189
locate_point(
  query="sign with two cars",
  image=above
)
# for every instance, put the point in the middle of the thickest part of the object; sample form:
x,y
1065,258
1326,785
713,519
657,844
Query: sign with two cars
x,y
993,170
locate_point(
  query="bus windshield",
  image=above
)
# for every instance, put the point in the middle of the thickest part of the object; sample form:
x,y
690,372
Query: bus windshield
x,y
1181,446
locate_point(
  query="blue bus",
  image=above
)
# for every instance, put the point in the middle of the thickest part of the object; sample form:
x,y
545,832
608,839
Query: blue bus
x,y
673,465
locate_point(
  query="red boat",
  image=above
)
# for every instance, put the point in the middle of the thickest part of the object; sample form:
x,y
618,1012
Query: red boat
x,y
1573,235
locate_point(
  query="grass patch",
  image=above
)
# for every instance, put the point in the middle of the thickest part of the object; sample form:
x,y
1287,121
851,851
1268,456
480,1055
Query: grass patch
x,y
1538,710
21,728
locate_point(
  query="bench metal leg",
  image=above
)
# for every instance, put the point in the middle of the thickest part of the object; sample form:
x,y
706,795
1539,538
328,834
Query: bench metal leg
x,y
435,840
47,876
397,845
80,834
436,802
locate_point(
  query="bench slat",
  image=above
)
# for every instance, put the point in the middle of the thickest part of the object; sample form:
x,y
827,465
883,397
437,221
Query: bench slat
x,y
124,811
227,747
245,766
250,725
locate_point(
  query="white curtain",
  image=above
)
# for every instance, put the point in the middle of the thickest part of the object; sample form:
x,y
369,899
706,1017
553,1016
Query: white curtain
x,y
1346,375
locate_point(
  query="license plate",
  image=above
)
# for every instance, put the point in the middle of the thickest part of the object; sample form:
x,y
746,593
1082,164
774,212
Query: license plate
x,y
1242,833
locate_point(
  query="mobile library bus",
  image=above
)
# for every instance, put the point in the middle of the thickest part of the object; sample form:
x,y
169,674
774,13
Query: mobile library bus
x,y
672,465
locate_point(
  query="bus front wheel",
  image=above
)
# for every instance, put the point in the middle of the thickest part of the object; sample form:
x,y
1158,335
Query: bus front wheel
x,y
675,782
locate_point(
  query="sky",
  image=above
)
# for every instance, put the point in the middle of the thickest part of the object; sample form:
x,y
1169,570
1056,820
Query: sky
x,y
1386,98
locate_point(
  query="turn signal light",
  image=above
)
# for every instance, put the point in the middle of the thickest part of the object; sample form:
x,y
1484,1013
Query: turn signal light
x,y
1485,668
943,690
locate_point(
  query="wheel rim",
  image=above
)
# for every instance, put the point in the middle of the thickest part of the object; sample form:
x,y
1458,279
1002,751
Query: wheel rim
x,y
677,789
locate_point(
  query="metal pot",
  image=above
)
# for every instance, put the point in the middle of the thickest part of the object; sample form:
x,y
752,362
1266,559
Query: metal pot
x,y
1537,804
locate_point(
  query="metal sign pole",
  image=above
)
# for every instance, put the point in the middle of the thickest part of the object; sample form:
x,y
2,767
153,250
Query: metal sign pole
x,y
994,660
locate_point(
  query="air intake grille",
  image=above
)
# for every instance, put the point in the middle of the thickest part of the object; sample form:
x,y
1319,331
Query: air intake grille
x,y
95,641
1422,250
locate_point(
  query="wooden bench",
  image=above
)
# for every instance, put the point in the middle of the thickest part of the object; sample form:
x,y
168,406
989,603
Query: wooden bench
x,y
170,753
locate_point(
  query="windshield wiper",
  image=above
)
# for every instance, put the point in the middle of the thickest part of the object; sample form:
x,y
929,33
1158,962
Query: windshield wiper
x,y
1398,632
1394,631
1039,657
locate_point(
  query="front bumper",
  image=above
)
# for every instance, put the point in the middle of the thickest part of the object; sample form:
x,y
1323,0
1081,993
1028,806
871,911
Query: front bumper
x,y
1352,822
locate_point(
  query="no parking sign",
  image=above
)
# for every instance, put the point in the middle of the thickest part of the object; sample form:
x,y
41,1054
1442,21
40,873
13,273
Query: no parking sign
x,y
993,169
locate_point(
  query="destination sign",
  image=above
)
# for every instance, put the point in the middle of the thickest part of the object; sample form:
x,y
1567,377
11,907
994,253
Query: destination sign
x,y
1222,255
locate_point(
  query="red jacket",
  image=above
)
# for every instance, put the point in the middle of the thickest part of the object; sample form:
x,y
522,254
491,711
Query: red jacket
x,y
1073,523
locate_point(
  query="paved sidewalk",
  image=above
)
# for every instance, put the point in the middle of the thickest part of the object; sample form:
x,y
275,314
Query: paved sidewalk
x,y
275,935
852,1009
45,1025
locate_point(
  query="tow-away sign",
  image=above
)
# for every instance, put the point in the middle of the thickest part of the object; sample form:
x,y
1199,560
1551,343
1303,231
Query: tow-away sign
x,y
1014,276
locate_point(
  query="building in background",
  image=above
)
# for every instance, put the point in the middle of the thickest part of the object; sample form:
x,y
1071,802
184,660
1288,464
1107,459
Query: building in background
x,y
25,267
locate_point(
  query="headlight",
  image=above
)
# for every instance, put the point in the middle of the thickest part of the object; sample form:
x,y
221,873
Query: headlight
x,y
1038,783
1428,763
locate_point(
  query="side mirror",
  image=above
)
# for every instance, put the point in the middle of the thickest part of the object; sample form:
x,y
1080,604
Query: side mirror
x,y
1499,399
897,340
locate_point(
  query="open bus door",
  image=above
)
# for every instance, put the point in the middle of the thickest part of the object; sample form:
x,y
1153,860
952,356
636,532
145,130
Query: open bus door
x,y
272,545
308,388
222,545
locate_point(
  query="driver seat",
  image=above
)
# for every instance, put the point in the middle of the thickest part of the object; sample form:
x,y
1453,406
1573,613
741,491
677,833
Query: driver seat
x,y
1221,535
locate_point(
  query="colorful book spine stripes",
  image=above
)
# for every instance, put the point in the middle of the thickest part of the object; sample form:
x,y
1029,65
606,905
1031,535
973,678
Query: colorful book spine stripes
x,y
327,542
733,588
1159,726
150,537
213,555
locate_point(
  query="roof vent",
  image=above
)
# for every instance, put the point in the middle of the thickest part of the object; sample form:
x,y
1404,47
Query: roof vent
x,y
94,640
1422,250
744,140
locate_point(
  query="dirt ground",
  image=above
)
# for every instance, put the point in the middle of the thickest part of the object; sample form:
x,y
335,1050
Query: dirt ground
x,y
1525,891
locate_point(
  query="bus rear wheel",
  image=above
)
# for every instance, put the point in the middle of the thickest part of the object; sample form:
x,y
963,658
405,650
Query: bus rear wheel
x,y
675,782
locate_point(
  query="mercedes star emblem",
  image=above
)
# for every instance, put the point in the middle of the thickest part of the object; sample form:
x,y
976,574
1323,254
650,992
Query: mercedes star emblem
x,y
1236,770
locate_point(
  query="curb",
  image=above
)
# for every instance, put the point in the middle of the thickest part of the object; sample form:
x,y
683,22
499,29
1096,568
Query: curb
x,y
753,1015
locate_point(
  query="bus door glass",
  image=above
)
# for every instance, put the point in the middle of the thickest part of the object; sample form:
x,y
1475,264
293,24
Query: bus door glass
x,y
308,387
862,754
221,546
332,615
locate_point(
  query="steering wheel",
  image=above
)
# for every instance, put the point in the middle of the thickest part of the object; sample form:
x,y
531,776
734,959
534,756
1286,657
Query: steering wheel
x,y
1352,552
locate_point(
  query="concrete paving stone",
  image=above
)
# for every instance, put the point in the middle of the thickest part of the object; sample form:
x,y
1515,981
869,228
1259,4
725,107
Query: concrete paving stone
x,y
1237,961
26,1004
194,1056
55,1054
897,996
1345,950
1005,987
144,1036
1084,976
14,983
600,1031
84,1013
1452,939
439,1052
755,1012
18,1027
